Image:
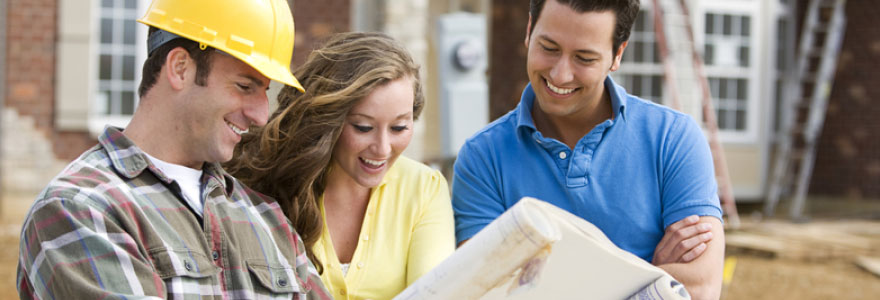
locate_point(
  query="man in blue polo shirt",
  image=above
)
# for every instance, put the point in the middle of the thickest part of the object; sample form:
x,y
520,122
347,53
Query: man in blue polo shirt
x,y
639,171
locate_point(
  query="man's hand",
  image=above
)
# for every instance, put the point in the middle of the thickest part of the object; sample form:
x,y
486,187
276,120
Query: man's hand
x,y
683,241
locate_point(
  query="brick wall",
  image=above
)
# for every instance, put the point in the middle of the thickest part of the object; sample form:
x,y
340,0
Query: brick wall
x,y
507,55
848,156
30,78
315,21
30,59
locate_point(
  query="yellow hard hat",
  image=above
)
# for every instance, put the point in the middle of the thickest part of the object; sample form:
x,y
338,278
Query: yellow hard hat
x,y
257,32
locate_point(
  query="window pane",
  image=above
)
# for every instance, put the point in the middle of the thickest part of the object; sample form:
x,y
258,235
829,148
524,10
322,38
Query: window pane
x,y
107,3
746,26
744,56
727,26
127,103
741,89
640,21
131,4
106,31
104,102
722,119
710,23
637,85
129,33
657,85
740,120
709,54
638,51
112,105
128,67
656,53
713,86
722,88
106,67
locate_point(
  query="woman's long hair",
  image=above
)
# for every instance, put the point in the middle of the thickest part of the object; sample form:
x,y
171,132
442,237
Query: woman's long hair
x,y
289,158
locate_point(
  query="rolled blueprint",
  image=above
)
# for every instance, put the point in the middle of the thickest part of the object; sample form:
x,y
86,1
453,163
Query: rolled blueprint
x,y
536,250
663,288
492,256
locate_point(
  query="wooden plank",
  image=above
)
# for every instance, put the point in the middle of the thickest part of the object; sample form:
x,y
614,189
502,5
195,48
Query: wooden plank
x,y
755,242
870,264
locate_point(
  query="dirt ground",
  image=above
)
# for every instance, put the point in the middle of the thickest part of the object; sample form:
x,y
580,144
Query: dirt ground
x,y
756,275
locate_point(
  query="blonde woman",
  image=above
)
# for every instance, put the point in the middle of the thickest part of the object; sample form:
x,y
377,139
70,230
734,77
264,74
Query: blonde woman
x,y
374,220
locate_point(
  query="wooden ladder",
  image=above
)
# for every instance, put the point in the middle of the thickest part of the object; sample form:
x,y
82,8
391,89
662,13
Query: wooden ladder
x,y
805,100
683,68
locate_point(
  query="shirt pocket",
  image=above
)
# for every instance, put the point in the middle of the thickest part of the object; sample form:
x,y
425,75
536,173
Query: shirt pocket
x,y
274,278
183,264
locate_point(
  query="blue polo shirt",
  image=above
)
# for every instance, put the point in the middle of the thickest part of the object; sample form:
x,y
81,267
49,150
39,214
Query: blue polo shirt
x,y
631,176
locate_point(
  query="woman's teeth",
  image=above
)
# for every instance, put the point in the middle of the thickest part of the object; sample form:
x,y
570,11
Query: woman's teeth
x,y
374,163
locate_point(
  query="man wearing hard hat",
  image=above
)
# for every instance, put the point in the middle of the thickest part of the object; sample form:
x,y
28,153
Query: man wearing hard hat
x,y
148,212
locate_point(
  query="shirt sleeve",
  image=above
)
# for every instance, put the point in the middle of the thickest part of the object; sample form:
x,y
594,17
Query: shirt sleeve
x,y
689,186
476,199
71,248
433,238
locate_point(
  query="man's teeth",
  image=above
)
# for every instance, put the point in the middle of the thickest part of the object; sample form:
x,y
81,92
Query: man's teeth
x,y
374,163
236,129
559,90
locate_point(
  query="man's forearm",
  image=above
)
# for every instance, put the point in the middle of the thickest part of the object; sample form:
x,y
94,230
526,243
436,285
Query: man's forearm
x,y
702,276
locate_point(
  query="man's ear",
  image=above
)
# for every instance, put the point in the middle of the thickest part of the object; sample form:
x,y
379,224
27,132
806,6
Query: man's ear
x,y
528,30
616,63
177,63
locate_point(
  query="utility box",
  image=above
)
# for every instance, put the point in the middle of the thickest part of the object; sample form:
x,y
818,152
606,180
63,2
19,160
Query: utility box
x,y
460,42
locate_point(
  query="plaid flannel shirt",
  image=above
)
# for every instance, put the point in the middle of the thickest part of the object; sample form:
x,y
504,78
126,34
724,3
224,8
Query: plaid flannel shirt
x,y
112,226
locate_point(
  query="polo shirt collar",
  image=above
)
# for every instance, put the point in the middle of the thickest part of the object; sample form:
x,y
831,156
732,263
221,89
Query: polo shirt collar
x,y
527,102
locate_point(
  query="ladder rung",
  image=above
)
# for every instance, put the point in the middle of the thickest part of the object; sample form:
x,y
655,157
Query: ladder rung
x,y
826,3
810,77
798,129
804,104
815,52
797,154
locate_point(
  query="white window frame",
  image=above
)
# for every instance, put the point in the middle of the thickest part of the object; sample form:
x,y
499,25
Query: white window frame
x,y
752,74
629,67
98,118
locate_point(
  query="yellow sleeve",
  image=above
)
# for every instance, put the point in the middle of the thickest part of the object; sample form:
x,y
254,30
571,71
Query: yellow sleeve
x,y
433,237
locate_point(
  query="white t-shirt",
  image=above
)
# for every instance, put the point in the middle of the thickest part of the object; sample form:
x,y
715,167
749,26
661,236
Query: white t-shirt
x,y
188,179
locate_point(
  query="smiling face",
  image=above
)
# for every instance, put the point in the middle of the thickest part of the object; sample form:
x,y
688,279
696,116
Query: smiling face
x,y
376,131
215,115
569,56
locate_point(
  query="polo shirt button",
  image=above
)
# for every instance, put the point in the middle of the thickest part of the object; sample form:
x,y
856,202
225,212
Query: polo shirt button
x,y
282,282
215,255
342,292
187,265
562,155
360,265
366,237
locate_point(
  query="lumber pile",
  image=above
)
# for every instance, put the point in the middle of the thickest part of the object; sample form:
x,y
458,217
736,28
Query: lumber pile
x,y
820,240
852,240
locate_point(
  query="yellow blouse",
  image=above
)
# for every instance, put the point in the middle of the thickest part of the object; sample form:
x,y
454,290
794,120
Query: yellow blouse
x,y
408,229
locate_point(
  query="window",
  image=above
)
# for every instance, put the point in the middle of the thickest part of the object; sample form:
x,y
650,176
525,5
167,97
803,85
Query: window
x,y
642,46
729,96
727,54
641,71
727,40
120,56
648,87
